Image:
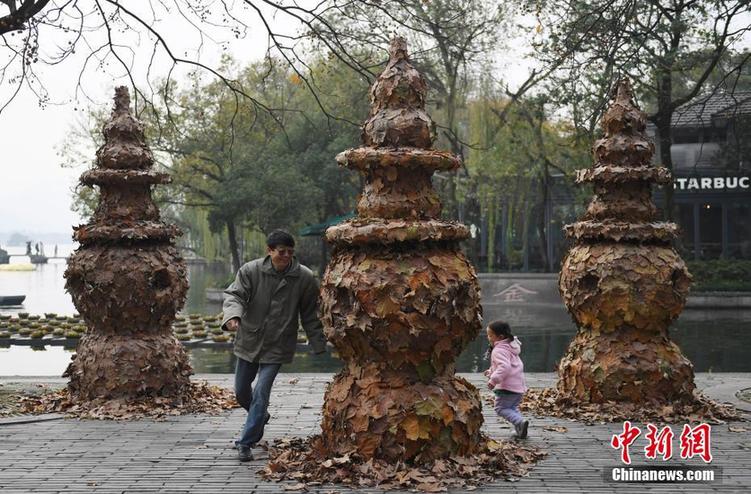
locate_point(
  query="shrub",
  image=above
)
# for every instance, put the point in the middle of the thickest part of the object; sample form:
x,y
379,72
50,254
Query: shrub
x,y
728,275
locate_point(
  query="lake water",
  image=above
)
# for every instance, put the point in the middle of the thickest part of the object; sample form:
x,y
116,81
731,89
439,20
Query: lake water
x,y
45,286
716,341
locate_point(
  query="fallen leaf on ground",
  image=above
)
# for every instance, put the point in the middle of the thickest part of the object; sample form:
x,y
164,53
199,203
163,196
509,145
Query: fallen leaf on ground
x,y
302,459
555,428
200,397
546,402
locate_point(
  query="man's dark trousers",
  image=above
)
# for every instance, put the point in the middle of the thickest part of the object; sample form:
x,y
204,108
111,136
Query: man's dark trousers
x,y
254,400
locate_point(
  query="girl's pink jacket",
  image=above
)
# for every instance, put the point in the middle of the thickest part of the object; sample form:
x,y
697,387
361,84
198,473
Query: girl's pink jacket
x,y
506,368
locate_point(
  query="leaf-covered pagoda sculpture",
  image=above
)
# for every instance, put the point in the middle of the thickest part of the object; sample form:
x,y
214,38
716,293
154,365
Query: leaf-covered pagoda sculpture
x,y
127,279
399,300
622,280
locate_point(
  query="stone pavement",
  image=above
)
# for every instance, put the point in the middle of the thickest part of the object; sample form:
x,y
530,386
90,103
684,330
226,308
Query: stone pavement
x,y
195,453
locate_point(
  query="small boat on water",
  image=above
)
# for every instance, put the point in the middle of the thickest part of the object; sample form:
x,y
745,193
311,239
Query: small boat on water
x,y
6,300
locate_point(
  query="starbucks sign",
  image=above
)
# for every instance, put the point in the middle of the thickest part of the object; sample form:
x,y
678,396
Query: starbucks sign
x,y
711,183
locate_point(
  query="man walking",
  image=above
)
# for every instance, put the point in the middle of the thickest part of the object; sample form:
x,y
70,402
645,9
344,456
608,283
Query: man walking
x,y
263,305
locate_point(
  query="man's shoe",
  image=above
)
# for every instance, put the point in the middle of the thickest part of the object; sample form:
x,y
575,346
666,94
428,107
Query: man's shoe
x,y
521,429
243,453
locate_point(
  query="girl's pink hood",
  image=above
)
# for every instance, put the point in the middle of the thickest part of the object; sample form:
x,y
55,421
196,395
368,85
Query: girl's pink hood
x,y
506,367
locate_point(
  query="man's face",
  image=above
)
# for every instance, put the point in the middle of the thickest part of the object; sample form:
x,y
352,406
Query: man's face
x,y
281,256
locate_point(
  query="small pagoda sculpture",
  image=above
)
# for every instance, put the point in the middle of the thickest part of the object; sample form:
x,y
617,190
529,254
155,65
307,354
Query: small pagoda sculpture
x,y
622,281
127,279
399,300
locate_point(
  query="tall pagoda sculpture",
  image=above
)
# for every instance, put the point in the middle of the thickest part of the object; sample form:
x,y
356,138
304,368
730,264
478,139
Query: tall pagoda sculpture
x,y
399,298
622,281
127,279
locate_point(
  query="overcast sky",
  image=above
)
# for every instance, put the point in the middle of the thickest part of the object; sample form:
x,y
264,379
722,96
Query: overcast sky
x,y
35,189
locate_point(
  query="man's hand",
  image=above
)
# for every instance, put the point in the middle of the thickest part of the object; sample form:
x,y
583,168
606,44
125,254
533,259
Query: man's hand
x,y
491,386
233,324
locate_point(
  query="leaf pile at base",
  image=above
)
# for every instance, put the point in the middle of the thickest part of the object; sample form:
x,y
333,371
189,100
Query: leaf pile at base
x,y
546,402
199,397
304,461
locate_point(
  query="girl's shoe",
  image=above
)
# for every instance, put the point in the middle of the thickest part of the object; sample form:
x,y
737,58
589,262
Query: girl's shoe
x,y
521,429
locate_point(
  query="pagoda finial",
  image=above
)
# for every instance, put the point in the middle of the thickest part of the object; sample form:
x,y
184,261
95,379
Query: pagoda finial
x,y
122,99
397,100
398,49
623,116
124,140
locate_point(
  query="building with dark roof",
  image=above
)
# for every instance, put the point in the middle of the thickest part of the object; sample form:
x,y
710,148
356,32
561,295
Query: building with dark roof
x,y
712,175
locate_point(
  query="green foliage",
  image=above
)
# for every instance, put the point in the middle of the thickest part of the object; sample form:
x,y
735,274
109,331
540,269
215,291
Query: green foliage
x,y
246,166
671,50
720,275
735,153
516,150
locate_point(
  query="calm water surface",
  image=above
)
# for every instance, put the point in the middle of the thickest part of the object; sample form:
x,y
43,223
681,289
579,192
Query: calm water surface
x,y
716,341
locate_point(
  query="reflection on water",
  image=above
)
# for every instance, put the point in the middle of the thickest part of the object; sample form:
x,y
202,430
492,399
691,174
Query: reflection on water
x,y
716,345
712,340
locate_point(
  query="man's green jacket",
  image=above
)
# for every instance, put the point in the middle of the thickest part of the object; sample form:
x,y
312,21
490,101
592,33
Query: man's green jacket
x,y
268,304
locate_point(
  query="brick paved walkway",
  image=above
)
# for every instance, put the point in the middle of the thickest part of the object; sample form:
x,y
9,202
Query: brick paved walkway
x,y
195,454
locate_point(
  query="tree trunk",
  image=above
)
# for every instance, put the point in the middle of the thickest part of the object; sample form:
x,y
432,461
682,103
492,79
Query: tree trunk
x,y
525,233
233,247
491,215
542,218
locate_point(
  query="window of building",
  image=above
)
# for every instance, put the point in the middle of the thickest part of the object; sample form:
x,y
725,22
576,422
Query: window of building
x,y
739,230
710,230
685,220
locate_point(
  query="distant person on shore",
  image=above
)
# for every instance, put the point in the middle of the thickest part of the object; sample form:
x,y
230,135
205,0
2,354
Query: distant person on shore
x,y
263,305
55,251
506,375
28,248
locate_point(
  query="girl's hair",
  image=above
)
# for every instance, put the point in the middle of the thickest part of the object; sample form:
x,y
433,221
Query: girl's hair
x,y
501,329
